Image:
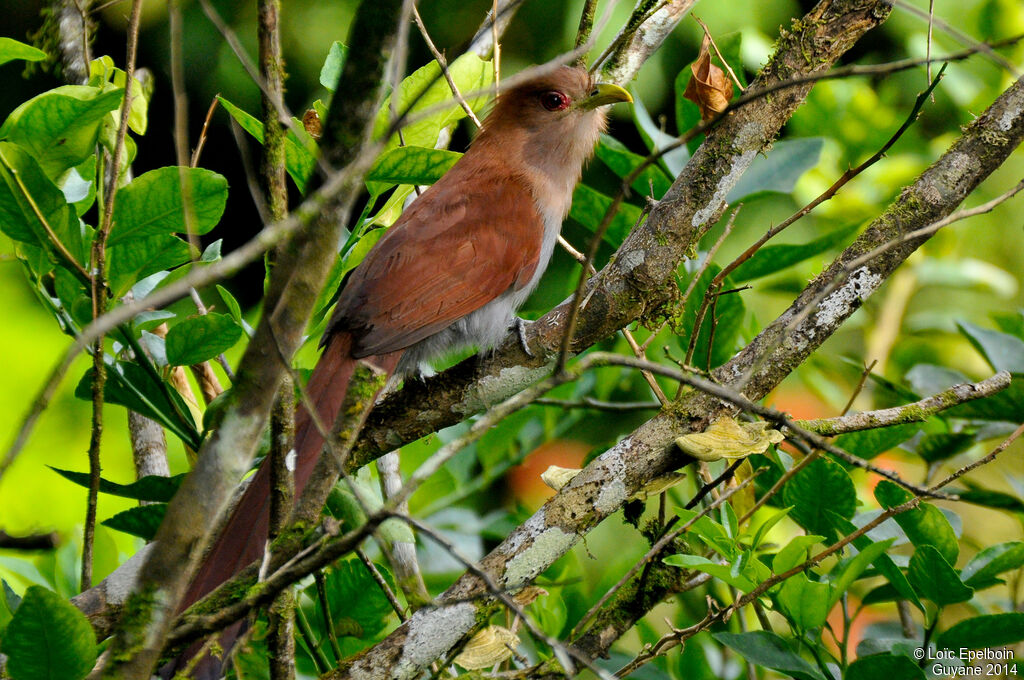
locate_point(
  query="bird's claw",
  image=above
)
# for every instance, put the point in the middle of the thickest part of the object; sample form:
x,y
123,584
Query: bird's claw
x,y
520,326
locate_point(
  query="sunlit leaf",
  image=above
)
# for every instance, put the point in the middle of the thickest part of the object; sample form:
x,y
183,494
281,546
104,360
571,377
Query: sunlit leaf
x,y
934,579
821,488
924,525
48,638
201,338
11,49
160,201
331,70
60,127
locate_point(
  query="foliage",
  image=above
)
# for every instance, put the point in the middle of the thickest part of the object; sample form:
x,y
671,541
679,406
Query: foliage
x,y
56,151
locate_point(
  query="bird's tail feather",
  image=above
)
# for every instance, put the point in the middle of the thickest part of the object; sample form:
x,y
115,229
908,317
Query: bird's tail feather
x,y
243,537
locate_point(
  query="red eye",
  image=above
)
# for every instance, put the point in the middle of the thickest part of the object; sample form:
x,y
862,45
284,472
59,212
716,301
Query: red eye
x,y
554,101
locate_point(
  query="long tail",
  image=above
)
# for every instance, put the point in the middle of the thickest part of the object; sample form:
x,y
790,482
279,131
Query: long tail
x,y
244,536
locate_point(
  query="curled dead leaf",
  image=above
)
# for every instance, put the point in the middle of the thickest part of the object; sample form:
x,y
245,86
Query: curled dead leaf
x,y
311,121
490,646
709,87
556,477
727,438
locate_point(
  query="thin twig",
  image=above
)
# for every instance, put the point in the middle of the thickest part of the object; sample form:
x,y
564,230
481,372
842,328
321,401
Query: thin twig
x,y
198,151
382,584
983,461
325,613
98,292
859,388
443,63
596,404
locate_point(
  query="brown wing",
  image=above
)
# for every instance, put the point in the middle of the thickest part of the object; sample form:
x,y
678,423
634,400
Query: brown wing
x,y
462,244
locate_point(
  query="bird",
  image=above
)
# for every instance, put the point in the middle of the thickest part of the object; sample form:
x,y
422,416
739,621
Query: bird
x,y
449,274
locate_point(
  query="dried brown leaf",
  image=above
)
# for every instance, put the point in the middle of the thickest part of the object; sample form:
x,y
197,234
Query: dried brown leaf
x,y
709,87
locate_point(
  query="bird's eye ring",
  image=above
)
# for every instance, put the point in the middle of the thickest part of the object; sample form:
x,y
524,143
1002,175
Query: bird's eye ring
x,y
554,100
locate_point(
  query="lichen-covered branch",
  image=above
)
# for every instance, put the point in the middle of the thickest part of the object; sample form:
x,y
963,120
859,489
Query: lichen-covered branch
x,y
917,412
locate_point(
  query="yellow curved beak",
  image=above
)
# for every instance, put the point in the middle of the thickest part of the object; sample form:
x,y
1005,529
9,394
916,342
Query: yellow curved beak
x,y
604,94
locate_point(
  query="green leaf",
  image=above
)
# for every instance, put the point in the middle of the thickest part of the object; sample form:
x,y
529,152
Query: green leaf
x,y
48,639
428,88
409,165
778,171
153,488
710,532
884,666
1007,405
231,303
765,527
883,563
804,602
687,112
331,70
729,312
934,579
103,74
1004,352
25,193
8,604
993,630
979,495
142,521
992,561
657,139
820,488
730,45
153,203
794,552
60,127
771,651
11,49
79,186
343,265
942,445
722,572
774,258
965,272
131,386
850,570
924,525
623,162
1010,323
299,154
201,338
132,260
589,207
357,606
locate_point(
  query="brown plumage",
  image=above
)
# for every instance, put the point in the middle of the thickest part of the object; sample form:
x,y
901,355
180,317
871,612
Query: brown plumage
x,y
450,273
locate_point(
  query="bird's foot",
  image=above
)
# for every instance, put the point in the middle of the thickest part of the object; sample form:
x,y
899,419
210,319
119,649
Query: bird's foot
x,y
520,326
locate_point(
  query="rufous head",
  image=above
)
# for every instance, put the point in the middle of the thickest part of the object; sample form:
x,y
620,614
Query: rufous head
x,y
549,125
566,96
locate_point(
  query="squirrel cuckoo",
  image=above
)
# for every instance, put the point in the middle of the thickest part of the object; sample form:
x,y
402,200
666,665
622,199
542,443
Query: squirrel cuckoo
x,y
450,273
